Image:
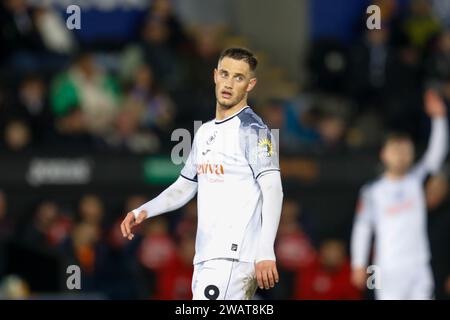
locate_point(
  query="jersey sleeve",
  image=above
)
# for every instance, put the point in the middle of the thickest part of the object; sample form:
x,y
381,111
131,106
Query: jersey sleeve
x,y
362,229
436,151
272,193
189,170
175,196
261,150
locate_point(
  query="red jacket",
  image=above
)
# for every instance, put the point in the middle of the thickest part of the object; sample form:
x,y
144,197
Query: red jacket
x,y
174,281
316,283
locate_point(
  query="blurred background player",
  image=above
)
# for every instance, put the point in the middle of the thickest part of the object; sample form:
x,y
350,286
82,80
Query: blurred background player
x,y
394,208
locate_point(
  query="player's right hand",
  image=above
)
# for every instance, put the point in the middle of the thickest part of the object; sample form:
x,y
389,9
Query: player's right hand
x,y
129,222
359,278
266,274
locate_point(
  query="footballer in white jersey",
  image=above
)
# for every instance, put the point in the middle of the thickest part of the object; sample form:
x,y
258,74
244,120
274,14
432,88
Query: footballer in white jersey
x,y
233,168
393,209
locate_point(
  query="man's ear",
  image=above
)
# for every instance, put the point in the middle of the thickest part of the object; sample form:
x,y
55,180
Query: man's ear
x,y
215,75
251,84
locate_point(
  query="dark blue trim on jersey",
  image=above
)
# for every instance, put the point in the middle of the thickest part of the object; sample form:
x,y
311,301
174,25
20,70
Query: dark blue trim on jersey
x,y
225,120
193,180
266,171
253,173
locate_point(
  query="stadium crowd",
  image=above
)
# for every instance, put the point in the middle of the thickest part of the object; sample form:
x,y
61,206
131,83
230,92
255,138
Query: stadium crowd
x,y
58,93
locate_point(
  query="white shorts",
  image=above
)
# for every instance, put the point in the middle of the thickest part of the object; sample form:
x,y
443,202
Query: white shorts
x,y
223,279
414,283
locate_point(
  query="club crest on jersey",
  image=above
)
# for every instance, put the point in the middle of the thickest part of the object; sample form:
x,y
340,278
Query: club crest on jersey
x,y
212,138
266,146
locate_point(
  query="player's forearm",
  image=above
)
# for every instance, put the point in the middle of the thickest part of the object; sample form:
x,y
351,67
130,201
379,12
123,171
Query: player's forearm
x,y
438,144
272,194
360,244
174,197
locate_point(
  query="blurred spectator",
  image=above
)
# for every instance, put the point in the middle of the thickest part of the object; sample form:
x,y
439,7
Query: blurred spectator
x,y
438,64
332,114
157,247
419,25
94,92
436,195
14,287
6,225
328,278
175,279
6,230
70,131
31,106
147,116
60,229
128,136
159,54
91,210
389,10
403,95
441,9
187,225
54,33
198,95
19,33
328,66
447,286
368,63
156,250
34,37
37,234
332,129
153,107
293,249
84,249
17,135
163,10
367,130
295,120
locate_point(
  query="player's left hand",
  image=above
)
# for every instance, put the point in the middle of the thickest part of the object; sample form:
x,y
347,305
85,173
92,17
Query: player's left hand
x,y
266,274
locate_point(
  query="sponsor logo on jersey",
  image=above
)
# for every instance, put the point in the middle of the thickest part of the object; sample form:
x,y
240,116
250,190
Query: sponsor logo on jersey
x,y
401,207
210,168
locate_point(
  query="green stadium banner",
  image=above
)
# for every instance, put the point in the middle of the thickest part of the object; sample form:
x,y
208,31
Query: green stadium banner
x,y
160,170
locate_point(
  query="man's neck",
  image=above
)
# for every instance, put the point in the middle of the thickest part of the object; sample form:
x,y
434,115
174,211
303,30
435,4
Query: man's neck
x,y
223,113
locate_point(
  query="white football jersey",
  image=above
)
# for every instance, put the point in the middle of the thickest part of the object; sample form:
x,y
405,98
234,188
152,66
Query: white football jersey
x,y
226,159
396,211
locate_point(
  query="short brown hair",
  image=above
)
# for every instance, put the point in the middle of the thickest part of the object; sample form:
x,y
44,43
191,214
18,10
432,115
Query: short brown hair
x,y
397,136
240,54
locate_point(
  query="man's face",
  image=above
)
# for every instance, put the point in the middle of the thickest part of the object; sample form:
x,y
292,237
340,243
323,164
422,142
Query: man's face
x,y
398,155
233,79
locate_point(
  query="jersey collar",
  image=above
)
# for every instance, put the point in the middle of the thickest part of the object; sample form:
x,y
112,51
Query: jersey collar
x,y
230,117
